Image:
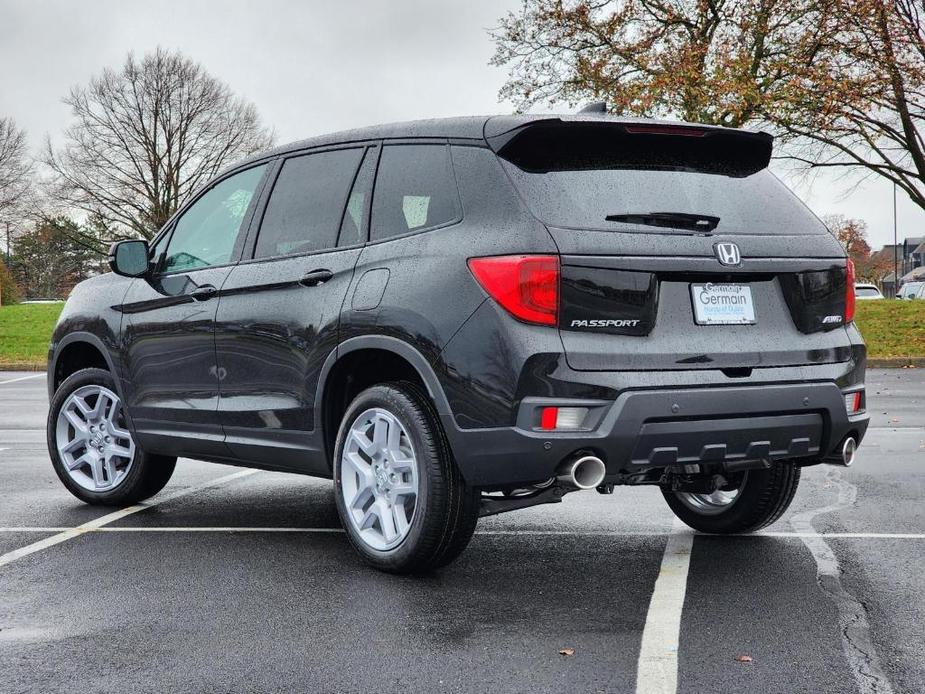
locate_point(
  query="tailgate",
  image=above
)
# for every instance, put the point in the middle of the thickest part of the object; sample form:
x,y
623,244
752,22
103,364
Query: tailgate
x,y
678,248
635,312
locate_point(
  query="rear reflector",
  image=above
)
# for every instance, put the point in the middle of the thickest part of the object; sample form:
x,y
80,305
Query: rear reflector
x,y
853,402
849,293
526,286
549,418
562,418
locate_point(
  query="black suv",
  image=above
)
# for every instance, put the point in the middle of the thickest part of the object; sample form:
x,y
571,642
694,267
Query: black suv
x,y
455,318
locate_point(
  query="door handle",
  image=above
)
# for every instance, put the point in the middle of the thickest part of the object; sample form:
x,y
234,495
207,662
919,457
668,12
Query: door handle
x,y
315,277
203,292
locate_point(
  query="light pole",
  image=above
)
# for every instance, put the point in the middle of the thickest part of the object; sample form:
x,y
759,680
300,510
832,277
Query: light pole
x,y
895,247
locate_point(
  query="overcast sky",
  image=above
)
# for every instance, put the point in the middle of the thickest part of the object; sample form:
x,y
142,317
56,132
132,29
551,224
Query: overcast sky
x,y
314,67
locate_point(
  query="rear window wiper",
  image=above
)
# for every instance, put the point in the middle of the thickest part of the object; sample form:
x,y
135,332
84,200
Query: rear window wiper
x,y
671,220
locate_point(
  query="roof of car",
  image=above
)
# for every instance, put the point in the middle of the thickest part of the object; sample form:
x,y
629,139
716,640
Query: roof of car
x,y
915,275
462,128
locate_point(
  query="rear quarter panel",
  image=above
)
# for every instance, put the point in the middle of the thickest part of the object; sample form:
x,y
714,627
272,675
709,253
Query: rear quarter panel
x,y
430,292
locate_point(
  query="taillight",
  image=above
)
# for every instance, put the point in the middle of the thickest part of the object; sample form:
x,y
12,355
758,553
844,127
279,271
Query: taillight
x,y
526,286
849,293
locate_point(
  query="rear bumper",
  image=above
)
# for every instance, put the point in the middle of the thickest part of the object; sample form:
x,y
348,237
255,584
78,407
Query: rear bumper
x,y
644,429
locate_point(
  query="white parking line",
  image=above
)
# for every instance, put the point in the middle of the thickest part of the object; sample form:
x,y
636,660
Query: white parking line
x,y
656,533
22,378
657,669
97,523
552,533
229,529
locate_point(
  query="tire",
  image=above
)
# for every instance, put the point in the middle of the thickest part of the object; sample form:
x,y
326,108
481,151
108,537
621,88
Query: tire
x,y
432,512
763,496
120,480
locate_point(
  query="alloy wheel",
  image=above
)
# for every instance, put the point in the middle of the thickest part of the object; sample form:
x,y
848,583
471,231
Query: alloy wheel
x,y
379,479
715,503
94,444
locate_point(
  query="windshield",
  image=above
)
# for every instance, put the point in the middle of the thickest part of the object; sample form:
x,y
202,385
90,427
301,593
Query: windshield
x,y
615,199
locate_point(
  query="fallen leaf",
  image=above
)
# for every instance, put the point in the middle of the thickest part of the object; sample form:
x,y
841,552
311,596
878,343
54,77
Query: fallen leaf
x,y
743,659
566,651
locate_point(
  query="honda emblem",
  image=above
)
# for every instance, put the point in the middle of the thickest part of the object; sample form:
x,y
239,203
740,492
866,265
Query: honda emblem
x,y
727,253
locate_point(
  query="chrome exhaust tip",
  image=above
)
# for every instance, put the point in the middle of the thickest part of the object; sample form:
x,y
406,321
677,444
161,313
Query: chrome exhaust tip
x,y
845,455
583,472
849,451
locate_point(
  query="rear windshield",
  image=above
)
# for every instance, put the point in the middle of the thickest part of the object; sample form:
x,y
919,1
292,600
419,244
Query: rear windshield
x,y
867,291
653,183
756,204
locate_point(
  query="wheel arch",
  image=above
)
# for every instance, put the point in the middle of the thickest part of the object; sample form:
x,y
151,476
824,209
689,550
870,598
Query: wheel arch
x,y
399,361
75,351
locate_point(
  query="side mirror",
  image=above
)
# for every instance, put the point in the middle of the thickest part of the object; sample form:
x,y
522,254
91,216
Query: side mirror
x,y
129,258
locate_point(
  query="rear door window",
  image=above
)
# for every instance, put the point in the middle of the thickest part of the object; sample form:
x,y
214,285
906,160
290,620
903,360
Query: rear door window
x,y
304,211
415,191
352,228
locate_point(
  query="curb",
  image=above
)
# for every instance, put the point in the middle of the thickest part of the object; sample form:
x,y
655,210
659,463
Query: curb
x,y
22,366
896,362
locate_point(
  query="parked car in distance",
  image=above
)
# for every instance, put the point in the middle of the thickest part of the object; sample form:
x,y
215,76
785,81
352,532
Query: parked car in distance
x,y
920,294
909,290
867,291
461,317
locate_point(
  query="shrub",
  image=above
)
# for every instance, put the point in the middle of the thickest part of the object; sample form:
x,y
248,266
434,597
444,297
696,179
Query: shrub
x,y
9,292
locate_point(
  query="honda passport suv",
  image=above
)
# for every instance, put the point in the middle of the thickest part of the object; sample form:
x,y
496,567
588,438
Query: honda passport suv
x,y
456,318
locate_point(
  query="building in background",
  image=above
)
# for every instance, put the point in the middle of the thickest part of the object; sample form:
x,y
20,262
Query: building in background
x,y
913,255
910,261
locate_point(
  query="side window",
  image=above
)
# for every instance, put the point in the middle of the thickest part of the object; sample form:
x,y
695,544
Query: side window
x,y
305,207
206,233
351,228
415,190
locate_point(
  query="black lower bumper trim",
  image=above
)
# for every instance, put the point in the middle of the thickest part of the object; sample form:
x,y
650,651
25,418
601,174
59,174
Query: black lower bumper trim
x,y
657,428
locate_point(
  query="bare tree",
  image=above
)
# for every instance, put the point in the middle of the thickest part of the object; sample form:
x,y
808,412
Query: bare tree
x,y
15,168
145,137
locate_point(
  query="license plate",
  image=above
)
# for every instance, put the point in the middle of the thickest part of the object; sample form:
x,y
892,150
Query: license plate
x,y
723,304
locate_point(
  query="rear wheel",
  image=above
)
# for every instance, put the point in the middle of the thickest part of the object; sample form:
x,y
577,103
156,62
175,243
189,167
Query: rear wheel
x,y
401,499
750,501
93,451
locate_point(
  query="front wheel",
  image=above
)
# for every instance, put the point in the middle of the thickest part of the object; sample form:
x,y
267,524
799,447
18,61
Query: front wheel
x,y
749,501
92,449
401,499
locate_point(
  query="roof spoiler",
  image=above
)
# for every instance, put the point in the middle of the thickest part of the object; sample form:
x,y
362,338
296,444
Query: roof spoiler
x,y
567,144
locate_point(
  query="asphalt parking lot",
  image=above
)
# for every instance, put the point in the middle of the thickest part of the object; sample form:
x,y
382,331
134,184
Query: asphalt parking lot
x,y
240,581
